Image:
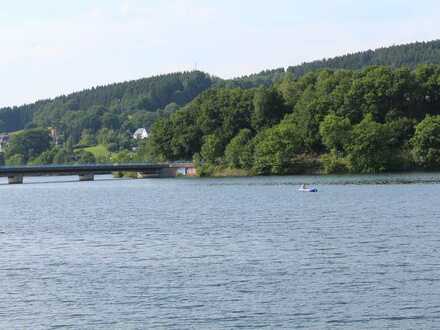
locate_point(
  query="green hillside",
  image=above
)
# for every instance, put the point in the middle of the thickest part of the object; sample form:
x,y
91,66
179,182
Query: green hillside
x,y
361,121
409,55
132,104
126,105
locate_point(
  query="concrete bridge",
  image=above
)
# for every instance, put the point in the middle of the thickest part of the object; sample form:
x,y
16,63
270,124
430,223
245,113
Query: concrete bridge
x,y
15,174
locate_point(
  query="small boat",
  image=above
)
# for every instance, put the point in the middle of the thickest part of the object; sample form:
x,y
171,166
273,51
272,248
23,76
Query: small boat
x,y
304,188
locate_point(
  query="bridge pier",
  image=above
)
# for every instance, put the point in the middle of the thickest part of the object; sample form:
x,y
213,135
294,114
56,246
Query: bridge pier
x,y
86,177
16,179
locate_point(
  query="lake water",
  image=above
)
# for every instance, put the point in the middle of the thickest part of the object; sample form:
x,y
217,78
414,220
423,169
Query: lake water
x,y
362,253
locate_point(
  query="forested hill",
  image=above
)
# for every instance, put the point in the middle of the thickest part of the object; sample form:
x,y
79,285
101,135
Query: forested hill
x,y
126,106
361,121
133,97
151,94
409,55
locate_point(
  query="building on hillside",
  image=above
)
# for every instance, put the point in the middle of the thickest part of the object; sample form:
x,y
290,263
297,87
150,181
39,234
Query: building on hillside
x,y
4,140
55,135
140,134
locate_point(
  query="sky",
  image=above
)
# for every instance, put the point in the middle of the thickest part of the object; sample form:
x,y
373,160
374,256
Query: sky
x,y
54,47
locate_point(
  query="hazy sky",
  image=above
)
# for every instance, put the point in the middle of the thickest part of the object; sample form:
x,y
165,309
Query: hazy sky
x,y
53,47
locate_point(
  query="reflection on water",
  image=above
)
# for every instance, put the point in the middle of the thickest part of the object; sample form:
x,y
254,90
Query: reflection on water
x,y
221,253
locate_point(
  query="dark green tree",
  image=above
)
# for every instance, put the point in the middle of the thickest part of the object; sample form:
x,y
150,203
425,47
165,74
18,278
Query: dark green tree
x,y
15,160
370,149
335,132
426,142
239,152
212,149
28,144
63,156
85,157
276,147
269,108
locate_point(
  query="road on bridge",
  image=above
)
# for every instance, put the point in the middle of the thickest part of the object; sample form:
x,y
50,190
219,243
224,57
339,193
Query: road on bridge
x,y
86,172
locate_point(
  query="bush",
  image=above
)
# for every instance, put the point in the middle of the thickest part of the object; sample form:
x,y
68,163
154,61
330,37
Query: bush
x,y
426,142
371,149
239,152
276,147
113,147
212,149
85,157
15,160
332,164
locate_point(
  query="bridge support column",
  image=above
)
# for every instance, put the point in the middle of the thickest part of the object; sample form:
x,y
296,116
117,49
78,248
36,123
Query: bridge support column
x,y
16,179
86,177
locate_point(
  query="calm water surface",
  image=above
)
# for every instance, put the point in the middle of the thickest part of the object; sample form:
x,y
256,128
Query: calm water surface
x,y
362,253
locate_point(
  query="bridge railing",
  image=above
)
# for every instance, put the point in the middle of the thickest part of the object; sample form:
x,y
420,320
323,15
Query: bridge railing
x,y
92,165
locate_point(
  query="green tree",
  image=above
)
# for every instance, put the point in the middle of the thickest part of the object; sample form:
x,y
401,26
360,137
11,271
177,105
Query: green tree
x,y
124,156
333,163
15,160
87,138
212,149
403,130
269,108
276,147
185,136
85,157
46,157
29,144
309,111
426,142
335,132
239,152
161,137
110,120
370,149
63,156
106,136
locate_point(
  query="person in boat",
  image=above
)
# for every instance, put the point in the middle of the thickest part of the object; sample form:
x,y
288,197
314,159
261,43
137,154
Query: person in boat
x,y
303,186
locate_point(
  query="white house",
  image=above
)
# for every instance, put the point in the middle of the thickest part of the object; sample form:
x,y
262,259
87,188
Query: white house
x,y
140,134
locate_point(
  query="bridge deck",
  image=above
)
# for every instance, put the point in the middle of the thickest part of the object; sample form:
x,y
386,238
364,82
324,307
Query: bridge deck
x,y
7,171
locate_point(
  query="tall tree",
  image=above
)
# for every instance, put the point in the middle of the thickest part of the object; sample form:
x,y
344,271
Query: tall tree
x,y
269,108
426,142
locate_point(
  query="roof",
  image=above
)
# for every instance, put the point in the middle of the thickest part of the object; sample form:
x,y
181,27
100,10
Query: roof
x,y
140,131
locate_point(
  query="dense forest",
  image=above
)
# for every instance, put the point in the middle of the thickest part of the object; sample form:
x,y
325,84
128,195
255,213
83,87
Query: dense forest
x,y
374,120
409,55
139,100
131,104
339,115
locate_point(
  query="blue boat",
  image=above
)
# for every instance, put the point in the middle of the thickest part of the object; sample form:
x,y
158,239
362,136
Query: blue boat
x,y
304,188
